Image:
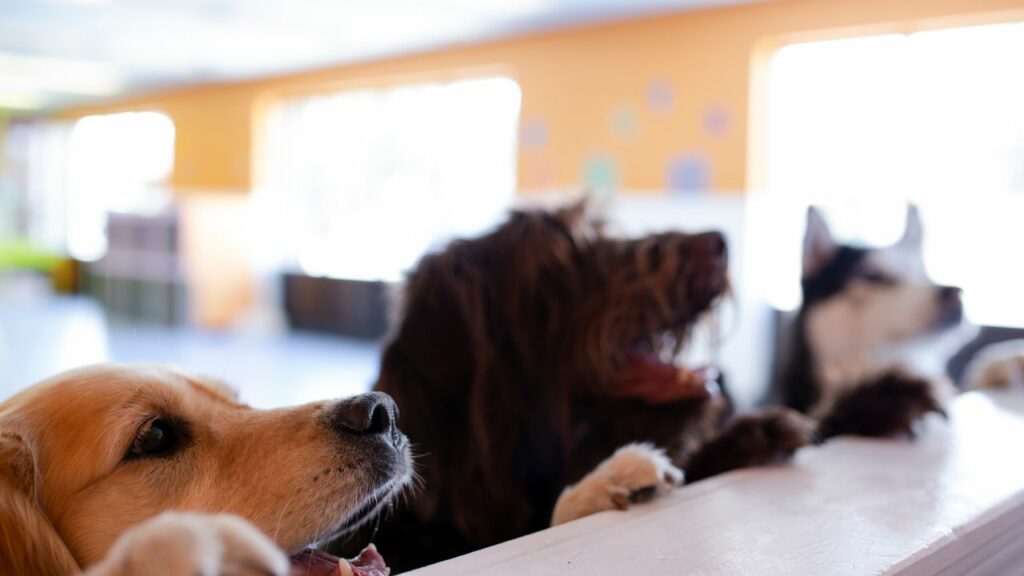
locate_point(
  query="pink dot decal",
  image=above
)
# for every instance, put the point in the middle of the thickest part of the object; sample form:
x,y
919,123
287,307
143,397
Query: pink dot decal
x,y
533,134
539,173
716,120
660,96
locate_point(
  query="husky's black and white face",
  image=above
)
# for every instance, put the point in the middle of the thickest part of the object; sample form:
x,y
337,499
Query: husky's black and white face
x,y
864,307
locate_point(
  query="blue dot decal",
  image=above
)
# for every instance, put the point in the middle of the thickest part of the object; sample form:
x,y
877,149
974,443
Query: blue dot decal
x,y
623,122
600,171
688,172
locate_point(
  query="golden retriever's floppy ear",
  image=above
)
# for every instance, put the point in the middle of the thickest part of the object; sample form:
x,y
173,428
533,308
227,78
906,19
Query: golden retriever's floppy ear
x,y
28,542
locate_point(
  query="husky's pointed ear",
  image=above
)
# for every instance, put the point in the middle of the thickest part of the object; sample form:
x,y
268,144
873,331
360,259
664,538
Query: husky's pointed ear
x,y
819,246
28,542
913,232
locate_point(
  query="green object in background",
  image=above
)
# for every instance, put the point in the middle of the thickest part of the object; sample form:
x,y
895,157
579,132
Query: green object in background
x,y
23,255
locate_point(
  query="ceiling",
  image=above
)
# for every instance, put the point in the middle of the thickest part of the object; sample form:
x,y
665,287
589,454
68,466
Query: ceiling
x,y
59,52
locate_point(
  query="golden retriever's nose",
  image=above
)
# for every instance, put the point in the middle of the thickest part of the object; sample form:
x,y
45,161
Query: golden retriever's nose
x,y
368,414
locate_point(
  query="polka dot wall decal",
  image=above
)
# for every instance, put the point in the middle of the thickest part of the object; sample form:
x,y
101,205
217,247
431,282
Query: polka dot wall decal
x,y
623,122
660,96
688,172
600,172
538,173
716,120
533,134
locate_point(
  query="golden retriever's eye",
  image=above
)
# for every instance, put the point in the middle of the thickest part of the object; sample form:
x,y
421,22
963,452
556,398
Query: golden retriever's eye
x,y
157,438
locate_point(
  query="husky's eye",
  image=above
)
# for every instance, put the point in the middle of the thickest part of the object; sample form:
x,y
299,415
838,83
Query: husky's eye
x,y
157,438
876,277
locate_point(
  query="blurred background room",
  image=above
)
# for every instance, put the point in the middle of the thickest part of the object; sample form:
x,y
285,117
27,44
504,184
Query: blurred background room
x,y
237,186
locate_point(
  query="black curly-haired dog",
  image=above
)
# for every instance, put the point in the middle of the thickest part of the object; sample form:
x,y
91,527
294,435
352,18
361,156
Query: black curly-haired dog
x,y
524,358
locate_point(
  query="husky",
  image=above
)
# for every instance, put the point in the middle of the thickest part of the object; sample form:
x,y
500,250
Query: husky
x,y
870,341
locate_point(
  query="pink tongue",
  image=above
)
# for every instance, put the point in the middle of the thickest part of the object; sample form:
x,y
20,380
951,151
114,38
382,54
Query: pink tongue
x,y
369,563
317,563
658,383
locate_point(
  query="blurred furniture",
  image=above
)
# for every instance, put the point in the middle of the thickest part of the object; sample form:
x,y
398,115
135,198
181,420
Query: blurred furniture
x,y
140,277
20,256
951,502
24,255
338,306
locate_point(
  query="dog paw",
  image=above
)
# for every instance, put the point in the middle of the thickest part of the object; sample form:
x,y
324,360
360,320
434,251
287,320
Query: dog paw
x,y
889,405
997,371
755,439
634,473
177,543
774,434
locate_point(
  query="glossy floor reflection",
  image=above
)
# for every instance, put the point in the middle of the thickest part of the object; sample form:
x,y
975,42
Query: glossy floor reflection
x,y
43,335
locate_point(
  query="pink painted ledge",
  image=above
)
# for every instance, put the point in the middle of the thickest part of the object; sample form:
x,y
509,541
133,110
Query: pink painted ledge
x,y
950,502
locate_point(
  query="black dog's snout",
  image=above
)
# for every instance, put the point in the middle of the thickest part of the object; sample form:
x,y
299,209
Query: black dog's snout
x,y
714,243
367,414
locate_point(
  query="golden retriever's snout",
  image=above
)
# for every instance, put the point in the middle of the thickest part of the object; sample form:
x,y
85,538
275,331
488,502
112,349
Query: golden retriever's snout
x,y
370,414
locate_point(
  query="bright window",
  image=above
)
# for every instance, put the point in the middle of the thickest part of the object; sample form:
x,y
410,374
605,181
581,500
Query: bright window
x,y
35,203
862,126
361,183
116,163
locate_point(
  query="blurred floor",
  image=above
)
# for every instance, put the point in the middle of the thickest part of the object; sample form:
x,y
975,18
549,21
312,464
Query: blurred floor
x,y
43,335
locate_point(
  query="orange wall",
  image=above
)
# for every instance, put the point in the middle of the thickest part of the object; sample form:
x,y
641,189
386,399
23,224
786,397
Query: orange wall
x,y
587,87
213,133
579,85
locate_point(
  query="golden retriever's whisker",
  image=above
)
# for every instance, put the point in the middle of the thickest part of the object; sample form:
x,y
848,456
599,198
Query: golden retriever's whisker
x,y
374,503
280,517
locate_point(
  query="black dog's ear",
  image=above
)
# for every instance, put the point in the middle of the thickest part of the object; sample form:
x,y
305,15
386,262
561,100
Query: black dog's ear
x,y
582,217
576,211
28,542
819,246
913,232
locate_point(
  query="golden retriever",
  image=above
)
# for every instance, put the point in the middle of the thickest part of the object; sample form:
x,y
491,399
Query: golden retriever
x,y
92,460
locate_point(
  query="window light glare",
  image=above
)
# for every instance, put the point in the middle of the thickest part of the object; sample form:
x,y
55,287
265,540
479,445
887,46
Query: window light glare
x,y
116,162
863,126
399,170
